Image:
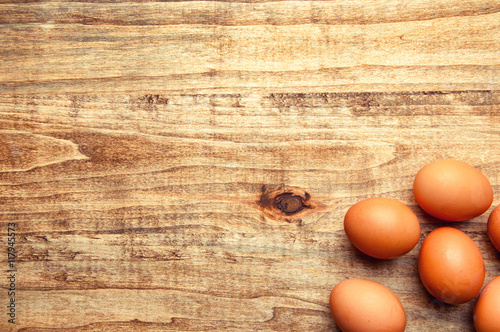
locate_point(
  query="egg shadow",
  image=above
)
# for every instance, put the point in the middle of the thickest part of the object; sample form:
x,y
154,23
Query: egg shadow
x,y
367,259
437,308
426,219
491,256
384,267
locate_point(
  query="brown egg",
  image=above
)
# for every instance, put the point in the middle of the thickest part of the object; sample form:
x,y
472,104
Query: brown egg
x,y
494,227
451,266
360,305
487,308
452,190
382,227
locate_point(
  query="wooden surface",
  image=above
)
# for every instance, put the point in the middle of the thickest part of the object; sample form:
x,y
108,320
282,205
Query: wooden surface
x,y
140,142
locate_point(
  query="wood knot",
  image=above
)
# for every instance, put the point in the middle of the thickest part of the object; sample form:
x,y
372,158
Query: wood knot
x,y
290,203
287,203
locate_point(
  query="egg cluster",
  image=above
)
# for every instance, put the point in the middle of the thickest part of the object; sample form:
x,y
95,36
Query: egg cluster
x,y
450,264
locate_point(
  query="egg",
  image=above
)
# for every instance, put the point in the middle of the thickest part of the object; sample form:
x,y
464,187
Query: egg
x,y
382,227
451,266
452,190
494,227
487,308
363,305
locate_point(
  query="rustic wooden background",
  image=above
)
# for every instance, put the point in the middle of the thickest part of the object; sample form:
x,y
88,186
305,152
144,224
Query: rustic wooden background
x,y
136,139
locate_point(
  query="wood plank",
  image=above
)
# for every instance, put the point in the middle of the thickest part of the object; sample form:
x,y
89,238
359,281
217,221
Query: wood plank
x,y
138,139
233,13
84,48
139,216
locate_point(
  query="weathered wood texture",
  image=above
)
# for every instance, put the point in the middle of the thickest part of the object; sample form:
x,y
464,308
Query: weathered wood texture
x,y
136,140
139,212
224,46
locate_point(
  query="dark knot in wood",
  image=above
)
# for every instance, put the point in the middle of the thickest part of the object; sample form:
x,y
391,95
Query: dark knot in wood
x,y
286,203
289,203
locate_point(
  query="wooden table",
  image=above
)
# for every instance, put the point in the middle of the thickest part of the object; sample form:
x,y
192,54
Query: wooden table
x,y
141,143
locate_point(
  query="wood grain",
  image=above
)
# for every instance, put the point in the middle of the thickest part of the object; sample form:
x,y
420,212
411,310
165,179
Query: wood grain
x,y
137,139
212,46
154,225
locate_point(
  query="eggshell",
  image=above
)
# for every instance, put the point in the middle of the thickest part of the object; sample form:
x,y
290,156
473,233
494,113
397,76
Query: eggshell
x,y
452,190
487,308
494,227
382,227
360,305
451,266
